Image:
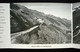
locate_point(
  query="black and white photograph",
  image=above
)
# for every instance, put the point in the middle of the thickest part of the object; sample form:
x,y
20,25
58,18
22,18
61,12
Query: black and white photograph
x,y
76,23
41,23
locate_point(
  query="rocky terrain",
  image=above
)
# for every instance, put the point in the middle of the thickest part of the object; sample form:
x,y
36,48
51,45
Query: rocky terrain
x,y
76,25
33,27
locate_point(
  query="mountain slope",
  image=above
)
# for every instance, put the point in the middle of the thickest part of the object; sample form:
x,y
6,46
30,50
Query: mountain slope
x,y
76,25
50,30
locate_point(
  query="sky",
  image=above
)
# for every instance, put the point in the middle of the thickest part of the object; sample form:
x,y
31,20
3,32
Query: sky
x,y
62,10
76,4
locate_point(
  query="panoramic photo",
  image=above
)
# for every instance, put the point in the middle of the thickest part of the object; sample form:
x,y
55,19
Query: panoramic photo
x,y
40,23
76,23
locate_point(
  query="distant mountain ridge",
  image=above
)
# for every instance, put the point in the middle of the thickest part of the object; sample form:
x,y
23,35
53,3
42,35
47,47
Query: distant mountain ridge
x,y
51,29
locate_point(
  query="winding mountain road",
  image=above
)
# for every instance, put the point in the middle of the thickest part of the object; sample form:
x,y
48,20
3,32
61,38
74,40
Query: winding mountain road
x,y
14,35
